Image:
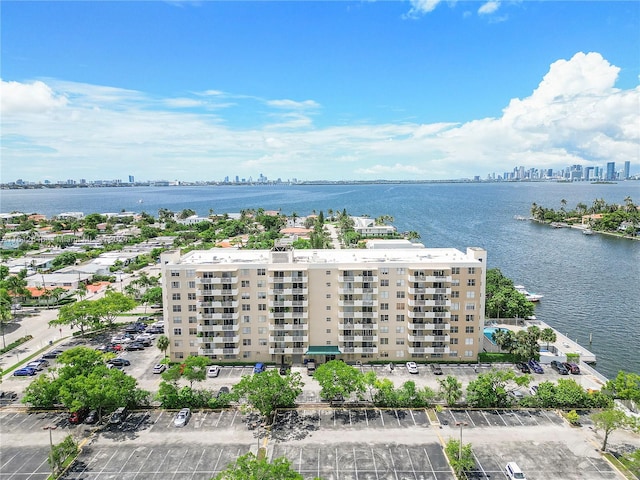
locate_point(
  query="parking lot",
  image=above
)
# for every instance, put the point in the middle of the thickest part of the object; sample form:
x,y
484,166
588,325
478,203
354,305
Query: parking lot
x,y
332,444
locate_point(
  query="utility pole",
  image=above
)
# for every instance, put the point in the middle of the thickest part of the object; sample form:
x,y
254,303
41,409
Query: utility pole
x,y
53,467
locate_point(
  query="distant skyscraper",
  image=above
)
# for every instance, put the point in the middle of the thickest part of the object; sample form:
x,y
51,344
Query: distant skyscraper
x,y
131,179
588,173
611,171
627,168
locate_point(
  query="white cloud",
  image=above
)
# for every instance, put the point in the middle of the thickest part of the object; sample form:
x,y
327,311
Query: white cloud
x,y
420,7
576,115
489,7
33,97
183,102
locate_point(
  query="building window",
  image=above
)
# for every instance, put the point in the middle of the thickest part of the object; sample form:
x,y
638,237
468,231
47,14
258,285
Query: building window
x,y
399,306
246,342
191,284
193,320
262,342
191,273
175,284
261,283
328,319
455,294
384,306
455,318
455,270
262,330
470,318
328,307
468,341
384,341
246,307
328,330
246,354
469,306
454,329
400,283
328,272
244,272
455,282
468,353
328,284
246,319
177,319
471,294
262,318
400,294
175,296
191,296
245,296
472,270
246,330
262,271
399,329
454,341
384,295
455,306
262,295
262,307
175,273
471,282
384,271
399,341
384,282
399,318
193,308
177,331
399,354
400,271
384,318
176,308
245,283
193,331
384,329
469,329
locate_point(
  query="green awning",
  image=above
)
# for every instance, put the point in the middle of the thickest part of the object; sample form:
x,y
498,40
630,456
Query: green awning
x,y
323,350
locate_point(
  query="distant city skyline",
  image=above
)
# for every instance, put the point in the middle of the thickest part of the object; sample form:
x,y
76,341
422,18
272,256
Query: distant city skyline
x,y
356,91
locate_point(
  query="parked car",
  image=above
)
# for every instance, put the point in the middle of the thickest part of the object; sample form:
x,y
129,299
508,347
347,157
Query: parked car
x,y
535,366
559,367
533,390
25,372
8,396
134,346
572,367
52,354
436,369
39,364
92,417
119,362
311,367
523,367
119,415
517,395
513,471
182,417
412,367
259,368
284,369
213,371
222,391
78,416
159,368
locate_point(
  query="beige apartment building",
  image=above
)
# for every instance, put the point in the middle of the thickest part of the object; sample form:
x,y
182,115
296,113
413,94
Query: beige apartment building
x,y
285,305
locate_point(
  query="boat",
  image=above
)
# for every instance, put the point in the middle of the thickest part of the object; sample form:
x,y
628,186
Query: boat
x,y
532,297
587,231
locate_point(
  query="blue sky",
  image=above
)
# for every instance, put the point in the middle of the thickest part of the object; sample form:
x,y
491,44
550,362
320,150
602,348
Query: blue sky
x,y
421,89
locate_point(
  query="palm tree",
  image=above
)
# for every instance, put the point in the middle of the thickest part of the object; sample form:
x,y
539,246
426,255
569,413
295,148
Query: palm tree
x,y
451,388
548,335
163,344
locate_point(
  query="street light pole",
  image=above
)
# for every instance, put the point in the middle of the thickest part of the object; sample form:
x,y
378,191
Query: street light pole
x,y
53,467
460,424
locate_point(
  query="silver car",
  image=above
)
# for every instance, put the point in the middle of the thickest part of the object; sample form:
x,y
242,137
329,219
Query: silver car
x,y
182,417
213,371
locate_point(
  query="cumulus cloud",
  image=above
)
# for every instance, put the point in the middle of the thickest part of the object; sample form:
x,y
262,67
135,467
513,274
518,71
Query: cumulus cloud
x,y
420,7
489,7
33,97
575,115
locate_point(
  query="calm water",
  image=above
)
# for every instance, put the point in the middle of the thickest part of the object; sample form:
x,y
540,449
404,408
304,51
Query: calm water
x,y
591,284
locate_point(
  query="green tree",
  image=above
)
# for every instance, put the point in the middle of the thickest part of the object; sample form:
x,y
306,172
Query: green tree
x,y
608,421
163,344
491,389
80,314
339,380
269,390
548,335
63,260
194,369
152,296
6,315
248,467
113,303
451,389
625,386
461,459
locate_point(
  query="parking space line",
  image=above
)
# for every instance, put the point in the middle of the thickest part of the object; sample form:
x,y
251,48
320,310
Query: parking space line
x,y
235,414
411,462
412,417
143,463
38,469
426,455
337,464
366,419
219,418
355,461
397,417
350,422
195,470
500,414
393,463
107,463
215,467
479,464
470,419
124,464
381,417
180,463
375,467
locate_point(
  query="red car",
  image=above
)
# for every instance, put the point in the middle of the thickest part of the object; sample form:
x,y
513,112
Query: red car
x,y
572,367
78,416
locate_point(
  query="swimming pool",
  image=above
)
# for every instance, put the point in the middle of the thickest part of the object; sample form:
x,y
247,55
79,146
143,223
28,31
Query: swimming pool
x,y
488,332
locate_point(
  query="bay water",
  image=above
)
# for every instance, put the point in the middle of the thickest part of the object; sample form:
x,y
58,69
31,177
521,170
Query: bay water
x,y
591,284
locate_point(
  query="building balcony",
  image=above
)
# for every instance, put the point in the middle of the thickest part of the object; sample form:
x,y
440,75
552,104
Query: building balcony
x,y
289,339
357,291
216,293
428,350
218,316
217,304
356,303
218,328
359,349
288,303
357,279
218,351
300,327
356,338
358,326
429,303
288,291
288,279
429,314
287,350
219,341
357,314
216,280
429,326
430,278
429,338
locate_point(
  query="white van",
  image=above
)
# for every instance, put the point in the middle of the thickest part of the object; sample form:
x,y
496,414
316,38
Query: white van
x,y
513,471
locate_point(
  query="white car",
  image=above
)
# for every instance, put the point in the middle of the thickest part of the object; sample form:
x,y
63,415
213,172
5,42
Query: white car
x,y
412,367
182,417
159,368
213,371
